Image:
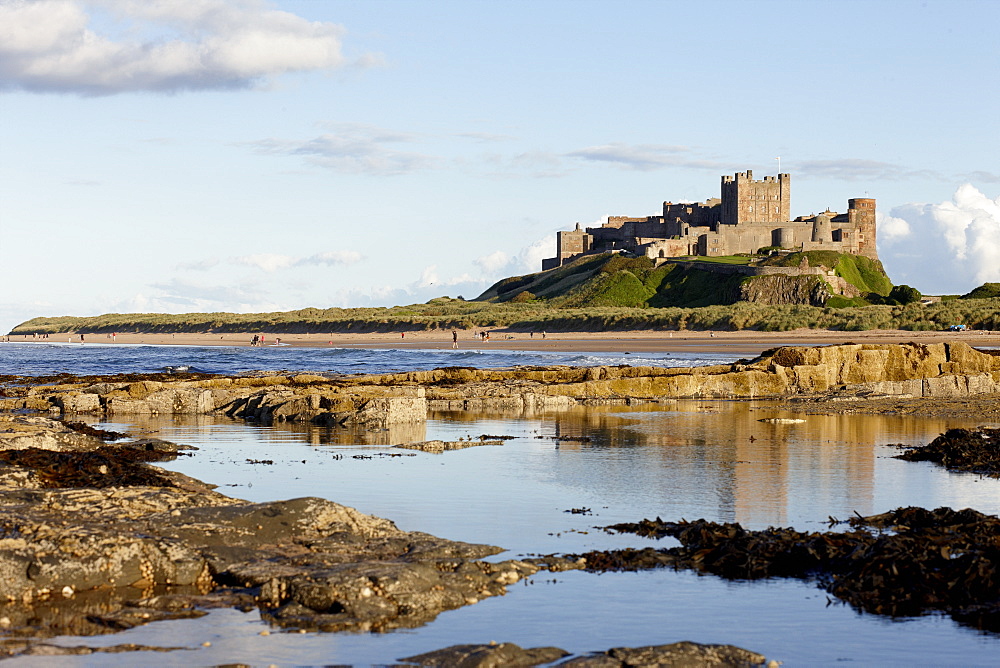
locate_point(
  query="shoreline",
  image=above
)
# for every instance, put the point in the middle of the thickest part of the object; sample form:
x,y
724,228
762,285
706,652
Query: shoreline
x,y
646,341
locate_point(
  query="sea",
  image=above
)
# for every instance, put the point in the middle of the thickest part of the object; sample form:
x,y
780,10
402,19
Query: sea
x,y
539,494
47,358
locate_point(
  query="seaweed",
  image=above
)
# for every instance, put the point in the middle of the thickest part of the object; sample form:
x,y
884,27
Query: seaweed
x,y
104,467
909,561
970,450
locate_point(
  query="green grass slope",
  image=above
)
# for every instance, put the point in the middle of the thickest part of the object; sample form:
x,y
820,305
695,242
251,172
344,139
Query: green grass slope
x,y
864,273
984,291
618,281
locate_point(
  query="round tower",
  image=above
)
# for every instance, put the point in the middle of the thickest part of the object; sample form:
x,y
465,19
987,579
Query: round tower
x,y
861,215
786,237
822,229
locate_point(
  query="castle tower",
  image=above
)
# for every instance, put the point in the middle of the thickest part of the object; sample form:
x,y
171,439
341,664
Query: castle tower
x,y
745,200
822,229
570,244
861,215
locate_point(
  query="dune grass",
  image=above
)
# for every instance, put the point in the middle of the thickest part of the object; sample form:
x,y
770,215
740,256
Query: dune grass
x,y
610,292
446,313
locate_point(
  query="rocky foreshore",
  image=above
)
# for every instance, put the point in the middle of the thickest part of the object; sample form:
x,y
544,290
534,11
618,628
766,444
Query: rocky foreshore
x,y
942,371
96,539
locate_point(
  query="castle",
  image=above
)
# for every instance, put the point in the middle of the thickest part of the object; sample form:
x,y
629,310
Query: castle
x,y
749,216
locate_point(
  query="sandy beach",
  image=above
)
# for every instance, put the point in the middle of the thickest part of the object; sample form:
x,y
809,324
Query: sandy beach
x,y
743,342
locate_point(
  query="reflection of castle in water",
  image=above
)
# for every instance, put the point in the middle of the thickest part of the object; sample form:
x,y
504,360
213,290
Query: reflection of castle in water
x,y
683,457
757,472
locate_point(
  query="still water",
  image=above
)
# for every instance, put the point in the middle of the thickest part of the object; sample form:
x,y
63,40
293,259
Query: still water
x,y
691,460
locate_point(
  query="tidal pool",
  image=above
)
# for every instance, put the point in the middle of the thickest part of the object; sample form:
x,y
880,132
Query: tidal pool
x,y
697,459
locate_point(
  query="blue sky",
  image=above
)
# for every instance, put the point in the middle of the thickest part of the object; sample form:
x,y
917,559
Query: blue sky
x,y
239,155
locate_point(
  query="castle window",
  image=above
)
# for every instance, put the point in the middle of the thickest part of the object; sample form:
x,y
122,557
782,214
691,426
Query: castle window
x,y
750,209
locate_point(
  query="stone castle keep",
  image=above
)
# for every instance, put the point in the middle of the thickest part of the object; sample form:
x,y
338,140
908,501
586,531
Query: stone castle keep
x,y
750,215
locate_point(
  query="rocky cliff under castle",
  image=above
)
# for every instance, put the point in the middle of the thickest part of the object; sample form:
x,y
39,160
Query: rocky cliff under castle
x,y
749,215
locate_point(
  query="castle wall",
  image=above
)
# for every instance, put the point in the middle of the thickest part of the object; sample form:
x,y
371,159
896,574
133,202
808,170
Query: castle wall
x,y
699,214
667,248
618,221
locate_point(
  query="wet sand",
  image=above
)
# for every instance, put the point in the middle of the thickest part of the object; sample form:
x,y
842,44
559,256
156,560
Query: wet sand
x,y
742,342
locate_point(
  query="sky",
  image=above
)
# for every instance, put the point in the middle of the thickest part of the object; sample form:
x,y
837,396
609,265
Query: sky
x,y
249,155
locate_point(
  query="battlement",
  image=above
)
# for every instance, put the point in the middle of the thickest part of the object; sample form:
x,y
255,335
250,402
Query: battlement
x,y
747,177
618,221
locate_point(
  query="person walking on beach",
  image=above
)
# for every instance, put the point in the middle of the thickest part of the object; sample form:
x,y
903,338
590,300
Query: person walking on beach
x,y
454,339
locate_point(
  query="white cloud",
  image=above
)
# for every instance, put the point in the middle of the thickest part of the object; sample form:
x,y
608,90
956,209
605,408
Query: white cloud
x,y
642,157
104,47
428,277
985,177
889,229
523,165
529,259
490,264
272,262
849,169
484,136
950,247
268,262
331,258
353,148
177,294
857,169
199,265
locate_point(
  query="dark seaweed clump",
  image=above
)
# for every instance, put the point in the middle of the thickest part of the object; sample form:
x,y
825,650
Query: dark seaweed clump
x,y
104,467
102,434
906,562
971,450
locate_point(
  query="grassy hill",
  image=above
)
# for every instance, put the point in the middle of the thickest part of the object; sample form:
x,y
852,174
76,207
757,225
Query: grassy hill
x,y
617,280
596,293
863,273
